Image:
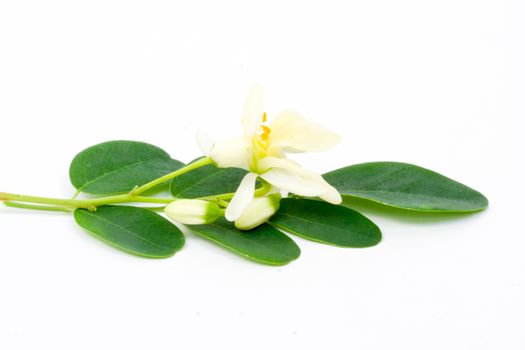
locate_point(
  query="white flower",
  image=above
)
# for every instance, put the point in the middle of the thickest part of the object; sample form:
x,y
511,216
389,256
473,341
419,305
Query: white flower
x,y
258,212
193,211
262,151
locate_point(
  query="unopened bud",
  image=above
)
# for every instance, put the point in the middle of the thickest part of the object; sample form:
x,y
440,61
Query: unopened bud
x,y
193,211
258,212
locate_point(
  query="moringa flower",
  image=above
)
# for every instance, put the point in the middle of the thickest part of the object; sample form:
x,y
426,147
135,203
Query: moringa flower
x,y
262,150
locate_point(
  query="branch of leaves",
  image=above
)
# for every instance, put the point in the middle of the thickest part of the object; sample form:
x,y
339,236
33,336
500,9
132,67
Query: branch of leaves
x,y
118,168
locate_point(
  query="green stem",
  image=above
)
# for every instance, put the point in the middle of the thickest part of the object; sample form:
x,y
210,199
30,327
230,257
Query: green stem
x,y
142,199
82,203
37,207
70,203
76,194
197,164
261,191
91,204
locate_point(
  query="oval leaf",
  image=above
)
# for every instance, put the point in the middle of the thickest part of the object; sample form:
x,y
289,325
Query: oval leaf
x,y
206,181
406,186
326,223
264,244
119,166
135,230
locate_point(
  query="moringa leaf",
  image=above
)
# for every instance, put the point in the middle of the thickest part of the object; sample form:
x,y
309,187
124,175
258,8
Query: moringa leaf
x,y
206,181
406,186
135,230
264,244
326,223
119,166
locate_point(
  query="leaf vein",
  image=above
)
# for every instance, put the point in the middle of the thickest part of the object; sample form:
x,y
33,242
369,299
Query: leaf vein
x,y
125,229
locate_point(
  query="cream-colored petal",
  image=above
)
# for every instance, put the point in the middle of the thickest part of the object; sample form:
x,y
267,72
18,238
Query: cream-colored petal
x,y
253,112
285,118
231,153
274,162
293,133
291,182
317,185
331,195
242,198
204,142
258,212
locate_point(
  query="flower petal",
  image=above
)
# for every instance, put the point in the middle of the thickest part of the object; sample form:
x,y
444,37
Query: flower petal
x,y
291,177
291,182
285,118
293,133
242,198
331,195
274,162
253,112
231,153
258,212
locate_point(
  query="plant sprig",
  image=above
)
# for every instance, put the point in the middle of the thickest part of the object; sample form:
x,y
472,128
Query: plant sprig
x,y
122,175
234,195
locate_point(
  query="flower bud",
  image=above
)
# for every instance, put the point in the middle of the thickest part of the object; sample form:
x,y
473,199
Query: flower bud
x,y
258,212
193,211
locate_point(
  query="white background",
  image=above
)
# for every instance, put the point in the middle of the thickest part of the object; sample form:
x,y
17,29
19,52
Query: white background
x,y
435,83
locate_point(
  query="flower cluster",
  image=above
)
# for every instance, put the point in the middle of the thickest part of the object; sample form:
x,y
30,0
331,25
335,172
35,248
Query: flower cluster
x,y
262,151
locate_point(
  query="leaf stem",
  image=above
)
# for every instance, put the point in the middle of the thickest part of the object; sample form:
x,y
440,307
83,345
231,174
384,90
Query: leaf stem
x,y
153,200
192,166
75,195
37,207
12,197
91,204
261,191
80,203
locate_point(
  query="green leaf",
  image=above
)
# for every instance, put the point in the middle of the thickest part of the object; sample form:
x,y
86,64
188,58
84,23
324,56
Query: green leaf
x,y
264,244
406,186
119,166
206,181
326,223
135,230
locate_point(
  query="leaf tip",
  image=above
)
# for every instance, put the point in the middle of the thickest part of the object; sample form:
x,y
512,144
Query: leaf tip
x,y
482,202
377,239
485,202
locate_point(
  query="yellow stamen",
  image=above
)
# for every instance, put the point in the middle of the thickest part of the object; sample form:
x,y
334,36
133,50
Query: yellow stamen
x,y
264,117
266,132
